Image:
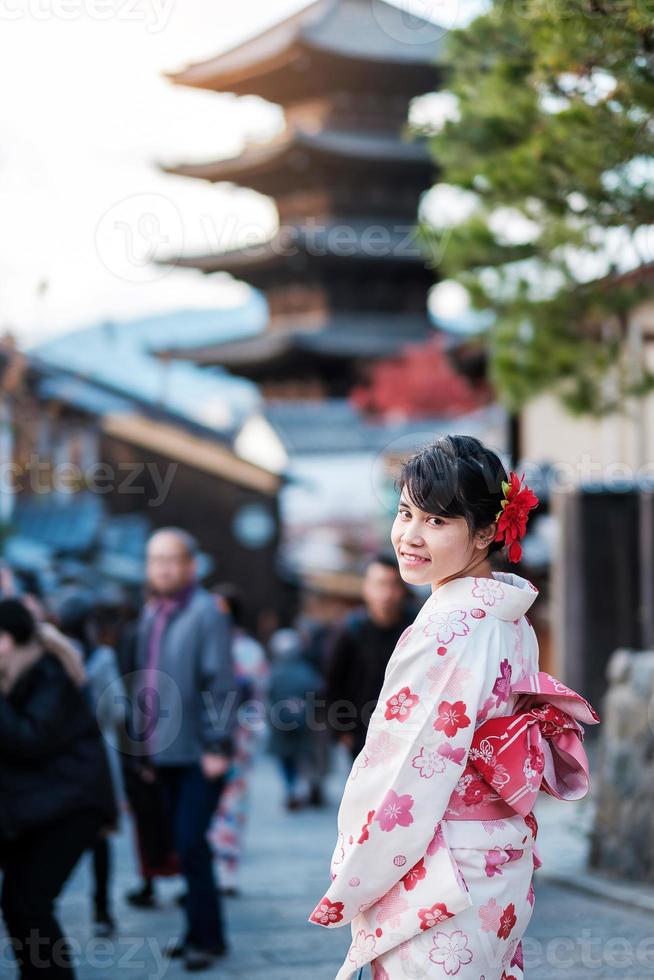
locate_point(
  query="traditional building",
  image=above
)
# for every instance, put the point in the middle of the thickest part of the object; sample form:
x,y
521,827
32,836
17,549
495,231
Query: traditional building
x,y
109,443
345,277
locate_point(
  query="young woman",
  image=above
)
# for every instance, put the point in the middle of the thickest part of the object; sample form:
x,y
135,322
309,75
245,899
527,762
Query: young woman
x,y
432,867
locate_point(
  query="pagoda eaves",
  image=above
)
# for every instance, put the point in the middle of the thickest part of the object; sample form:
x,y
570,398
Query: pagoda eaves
x,y
317,245
338,341
376,45
296,150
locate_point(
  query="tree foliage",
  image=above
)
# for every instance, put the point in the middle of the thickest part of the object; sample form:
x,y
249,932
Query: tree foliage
x,y
553,143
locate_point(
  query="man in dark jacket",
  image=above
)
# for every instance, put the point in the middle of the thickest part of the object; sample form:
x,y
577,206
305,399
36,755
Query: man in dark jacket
x,y
187,702
361,649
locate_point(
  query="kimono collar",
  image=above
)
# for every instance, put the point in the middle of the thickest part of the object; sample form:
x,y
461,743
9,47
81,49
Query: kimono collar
x,y
507,595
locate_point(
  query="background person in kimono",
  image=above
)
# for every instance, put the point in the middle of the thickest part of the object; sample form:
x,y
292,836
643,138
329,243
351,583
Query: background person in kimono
x,y
428,895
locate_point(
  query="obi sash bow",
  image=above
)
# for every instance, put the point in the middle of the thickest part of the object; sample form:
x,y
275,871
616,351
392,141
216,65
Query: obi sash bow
x,y
539,747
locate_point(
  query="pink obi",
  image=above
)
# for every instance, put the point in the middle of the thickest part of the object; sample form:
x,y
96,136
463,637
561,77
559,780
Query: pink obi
x,y
539,747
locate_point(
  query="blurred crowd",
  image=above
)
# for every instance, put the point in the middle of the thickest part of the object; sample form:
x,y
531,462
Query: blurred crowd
x,y
156,715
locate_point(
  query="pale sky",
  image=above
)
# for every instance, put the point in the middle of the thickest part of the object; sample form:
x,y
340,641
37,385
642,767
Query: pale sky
x,y
86,114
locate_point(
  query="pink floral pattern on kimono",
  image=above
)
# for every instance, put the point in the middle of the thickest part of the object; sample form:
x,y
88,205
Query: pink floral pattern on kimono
x,y
446,897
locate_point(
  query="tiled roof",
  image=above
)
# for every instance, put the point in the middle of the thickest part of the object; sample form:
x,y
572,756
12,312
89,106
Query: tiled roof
x,y
335,426
360,30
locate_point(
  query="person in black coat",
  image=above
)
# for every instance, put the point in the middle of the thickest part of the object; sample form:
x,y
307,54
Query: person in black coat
x,y
360,650
55,790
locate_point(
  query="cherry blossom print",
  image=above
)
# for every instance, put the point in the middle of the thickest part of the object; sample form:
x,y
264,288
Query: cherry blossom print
x,y
391,906
485,710
536,759
378,972
474,793
441,651
518,956
507,922
436,842
433,916
477,613
395,810
499,856
454,755
532,823
381,748
491,826
400,705
362,948
508,976
327,913
502,686
361,762
448,681
339,852
531,895
399,860
488,590
404,637
364,830
490,915
416,874
446,625
354,882
428,762
451,952
451,717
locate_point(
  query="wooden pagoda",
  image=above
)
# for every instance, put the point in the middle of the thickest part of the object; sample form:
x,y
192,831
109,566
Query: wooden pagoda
x,y
345,277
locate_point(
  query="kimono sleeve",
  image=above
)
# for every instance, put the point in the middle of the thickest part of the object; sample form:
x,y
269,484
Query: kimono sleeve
x,y
418,739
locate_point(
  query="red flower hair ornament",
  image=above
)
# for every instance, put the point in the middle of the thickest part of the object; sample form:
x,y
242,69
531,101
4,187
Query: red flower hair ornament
x,y
512,518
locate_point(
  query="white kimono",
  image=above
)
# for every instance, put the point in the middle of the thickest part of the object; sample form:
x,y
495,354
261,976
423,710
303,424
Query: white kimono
x,y
427,896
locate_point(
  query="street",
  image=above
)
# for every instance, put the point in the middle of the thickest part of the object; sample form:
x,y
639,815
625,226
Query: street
x,y
571,935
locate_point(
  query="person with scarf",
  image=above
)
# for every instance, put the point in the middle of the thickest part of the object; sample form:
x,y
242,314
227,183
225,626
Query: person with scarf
x,y
184,703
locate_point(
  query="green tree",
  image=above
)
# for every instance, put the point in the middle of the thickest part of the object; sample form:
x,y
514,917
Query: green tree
x,y
552,142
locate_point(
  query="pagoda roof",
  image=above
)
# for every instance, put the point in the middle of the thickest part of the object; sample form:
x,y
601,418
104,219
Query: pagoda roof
x,y
297,247
288,153
273,64
341,337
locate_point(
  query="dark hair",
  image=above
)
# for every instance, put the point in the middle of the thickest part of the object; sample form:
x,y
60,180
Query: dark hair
x,y
385,559
74,612
457,476
233,596
17,620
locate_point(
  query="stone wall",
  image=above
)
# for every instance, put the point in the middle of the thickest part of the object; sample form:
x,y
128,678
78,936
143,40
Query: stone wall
x,y
623,836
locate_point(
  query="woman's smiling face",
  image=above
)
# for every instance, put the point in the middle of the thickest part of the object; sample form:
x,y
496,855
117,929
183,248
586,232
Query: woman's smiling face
x,y
430,548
